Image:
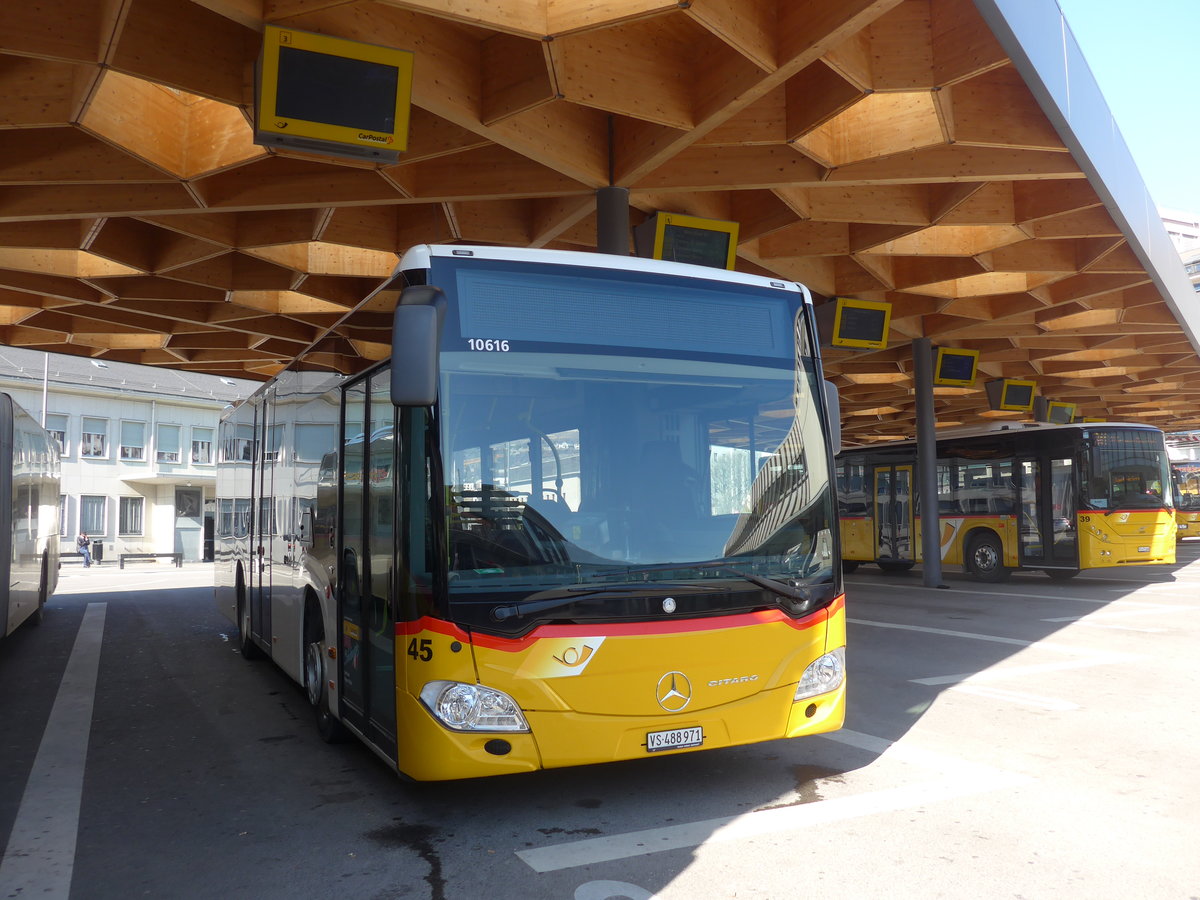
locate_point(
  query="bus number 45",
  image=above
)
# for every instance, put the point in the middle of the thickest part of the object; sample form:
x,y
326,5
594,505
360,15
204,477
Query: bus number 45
x,y
422,650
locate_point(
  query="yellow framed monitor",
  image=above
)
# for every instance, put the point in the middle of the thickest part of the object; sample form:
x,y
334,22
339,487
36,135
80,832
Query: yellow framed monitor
x,y
332,96
854,324
955,368
1011,394
1060,413
687,239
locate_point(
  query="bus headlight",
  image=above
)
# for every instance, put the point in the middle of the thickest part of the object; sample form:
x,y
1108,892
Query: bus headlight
x,y
822,675
472,707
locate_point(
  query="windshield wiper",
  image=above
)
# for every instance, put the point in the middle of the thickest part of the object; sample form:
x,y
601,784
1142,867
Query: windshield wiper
x,y
533,606
782,588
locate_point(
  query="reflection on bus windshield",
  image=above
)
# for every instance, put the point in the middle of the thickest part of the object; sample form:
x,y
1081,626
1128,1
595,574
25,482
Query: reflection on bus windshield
x,y
555,473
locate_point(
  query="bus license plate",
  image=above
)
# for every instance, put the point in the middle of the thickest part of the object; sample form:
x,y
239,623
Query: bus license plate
x,y
1143,549
675,739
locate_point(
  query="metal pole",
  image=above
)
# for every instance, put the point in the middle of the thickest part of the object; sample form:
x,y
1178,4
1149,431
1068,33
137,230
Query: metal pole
x,y
612,220
45,380
931,526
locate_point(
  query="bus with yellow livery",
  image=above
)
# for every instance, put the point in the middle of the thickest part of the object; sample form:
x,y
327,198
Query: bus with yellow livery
x,y
1059,498
1185,478
580,510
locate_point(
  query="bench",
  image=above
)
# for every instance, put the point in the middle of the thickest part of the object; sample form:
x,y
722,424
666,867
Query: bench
x,y
121,557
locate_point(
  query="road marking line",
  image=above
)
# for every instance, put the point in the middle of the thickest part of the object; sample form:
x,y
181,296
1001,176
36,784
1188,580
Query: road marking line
x,y
965,779
1141,609
1018,697
997,673
40,857
970,635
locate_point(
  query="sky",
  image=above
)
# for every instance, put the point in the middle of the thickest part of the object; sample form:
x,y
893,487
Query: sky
x,y
1142,54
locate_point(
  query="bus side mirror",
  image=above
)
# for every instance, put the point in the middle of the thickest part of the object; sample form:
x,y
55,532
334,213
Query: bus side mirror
x,y
416,337
833,405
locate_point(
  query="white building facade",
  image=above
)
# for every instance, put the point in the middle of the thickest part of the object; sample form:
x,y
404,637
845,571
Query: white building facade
x,y
138,447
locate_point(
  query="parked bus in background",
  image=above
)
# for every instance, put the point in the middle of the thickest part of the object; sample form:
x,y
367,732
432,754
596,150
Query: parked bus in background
x,y
1060,498
1185,479
583,513
29,489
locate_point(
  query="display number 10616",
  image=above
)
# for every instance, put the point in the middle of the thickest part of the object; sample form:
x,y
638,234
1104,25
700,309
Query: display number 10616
x,y
488,345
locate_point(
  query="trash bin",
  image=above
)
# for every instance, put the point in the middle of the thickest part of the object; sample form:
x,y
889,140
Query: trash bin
x,y
97,551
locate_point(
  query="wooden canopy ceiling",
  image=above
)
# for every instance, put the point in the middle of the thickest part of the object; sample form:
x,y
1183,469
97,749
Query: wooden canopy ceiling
x,y
881,149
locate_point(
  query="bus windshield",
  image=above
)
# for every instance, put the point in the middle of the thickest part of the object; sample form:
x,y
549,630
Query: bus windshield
x,y
573,465
1129,470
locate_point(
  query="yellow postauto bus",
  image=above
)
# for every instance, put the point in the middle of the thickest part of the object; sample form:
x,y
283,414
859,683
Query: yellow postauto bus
x,y
1060,498
1185,477
584,511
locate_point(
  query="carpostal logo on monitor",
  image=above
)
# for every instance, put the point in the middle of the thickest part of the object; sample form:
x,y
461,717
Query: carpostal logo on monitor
x,y
375,138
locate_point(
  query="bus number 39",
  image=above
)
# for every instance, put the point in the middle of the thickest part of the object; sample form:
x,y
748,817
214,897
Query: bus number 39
x,y
488,345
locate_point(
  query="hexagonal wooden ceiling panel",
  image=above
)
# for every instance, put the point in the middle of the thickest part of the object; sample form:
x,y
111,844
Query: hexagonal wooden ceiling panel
x,y
883,149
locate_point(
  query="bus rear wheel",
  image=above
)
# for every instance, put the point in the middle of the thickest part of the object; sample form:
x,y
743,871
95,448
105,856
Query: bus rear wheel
x,y
985,558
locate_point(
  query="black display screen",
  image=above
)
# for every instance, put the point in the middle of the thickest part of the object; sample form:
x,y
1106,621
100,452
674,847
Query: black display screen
x,y
1060,414
336,90
698,246
1017,395
956,367
859,324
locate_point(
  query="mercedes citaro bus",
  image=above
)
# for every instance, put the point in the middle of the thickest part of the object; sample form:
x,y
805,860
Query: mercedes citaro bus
x,y
583,511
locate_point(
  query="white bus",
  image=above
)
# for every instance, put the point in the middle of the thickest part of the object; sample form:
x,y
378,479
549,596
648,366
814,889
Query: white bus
x,y
29,485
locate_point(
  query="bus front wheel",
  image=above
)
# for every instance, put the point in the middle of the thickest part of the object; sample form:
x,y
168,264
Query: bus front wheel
x,y
316,683
985,558
246,645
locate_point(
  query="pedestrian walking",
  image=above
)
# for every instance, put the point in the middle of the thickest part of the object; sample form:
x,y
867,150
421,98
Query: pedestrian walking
x,y
85,549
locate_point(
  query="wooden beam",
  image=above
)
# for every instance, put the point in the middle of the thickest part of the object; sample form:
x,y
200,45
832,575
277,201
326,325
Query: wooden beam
x,y
65,155
958,164
996,109
183,45
748,26
762,122
878,125
492,172
516,76
963,44
816,95
726,168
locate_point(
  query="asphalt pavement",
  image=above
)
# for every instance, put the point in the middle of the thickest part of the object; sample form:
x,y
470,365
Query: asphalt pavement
x,y
1033,739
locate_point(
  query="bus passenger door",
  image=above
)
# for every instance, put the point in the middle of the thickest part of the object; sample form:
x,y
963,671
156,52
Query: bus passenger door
x,y
367,528
1030,512
894,513
263,520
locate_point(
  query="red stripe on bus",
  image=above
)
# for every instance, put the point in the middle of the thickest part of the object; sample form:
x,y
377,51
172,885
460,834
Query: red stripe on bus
x,y
635,629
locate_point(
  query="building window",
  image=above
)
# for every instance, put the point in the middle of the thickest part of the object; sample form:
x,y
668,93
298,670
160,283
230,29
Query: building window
x,y
202,446
313,441
130,519
92,515
133,440
274,442
167,444
94,442
56,425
